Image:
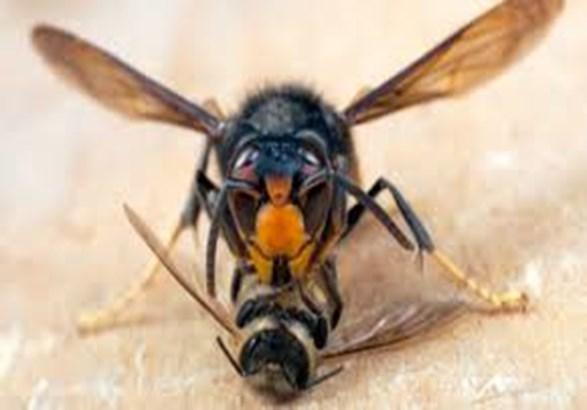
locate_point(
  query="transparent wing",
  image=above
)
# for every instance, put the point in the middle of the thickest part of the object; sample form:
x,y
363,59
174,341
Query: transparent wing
x,y
388,297
115,84
474,54
392,326
218,313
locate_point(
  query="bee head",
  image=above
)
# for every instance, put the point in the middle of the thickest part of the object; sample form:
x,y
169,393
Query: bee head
x,y
281,342
277,352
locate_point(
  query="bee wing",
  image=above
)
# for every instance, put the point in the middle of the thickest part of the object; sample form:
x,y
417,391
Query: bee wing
x,y
115,84
388,297
390,327
474,54
219,314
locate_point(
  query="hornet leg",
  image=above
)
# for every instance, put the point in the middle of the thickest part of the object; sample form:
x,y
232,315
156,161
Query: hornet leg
x,y
108,316
512,300
329,275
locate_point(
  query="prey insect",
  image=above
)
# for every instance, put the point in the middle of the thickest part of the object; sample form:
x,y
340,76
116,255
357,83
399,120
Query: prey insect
x,y
281,344
287,159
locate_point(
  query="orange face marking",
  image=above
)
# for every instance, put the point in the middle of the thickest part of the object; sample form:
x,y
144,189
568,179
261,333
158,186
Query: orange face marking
x,y
278,189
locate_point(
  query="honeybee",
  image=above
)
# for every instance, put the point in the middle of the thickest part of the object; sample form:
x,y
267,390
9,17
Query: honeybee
x,y
282,344
287,158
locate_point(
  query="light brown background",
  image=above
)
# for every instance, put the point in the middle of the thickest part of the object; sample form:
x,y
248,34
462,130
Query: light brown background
x,y
500,176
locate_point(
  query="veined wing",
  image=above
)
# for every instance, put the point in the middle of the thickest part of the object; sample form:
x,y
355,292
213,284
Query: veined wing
x,y
115,84
474,54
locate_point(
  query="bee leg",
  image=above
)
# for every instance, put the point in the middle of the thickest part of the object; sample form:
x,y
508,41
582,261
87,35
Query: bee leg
x,y
323,378
329,275
499,300
108,316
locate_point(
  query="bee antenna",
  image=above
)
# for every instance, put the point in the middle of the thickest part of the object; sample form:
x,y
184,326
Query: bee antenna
x,y
229,356
324,377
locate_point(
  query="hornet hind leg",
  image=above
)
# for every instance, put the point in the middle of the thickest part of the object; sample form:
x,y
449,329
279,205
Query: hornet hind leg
x,y
109,315
512,300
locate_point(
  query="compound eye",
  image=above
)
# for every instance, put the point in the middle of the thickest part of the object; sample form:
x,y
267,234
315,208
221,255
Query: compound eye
x,y
246,158
309,157
244,166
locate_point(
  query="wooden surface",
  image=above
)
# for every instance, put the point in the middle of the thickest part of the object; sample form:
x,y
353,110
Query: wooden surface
x,y
498,175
